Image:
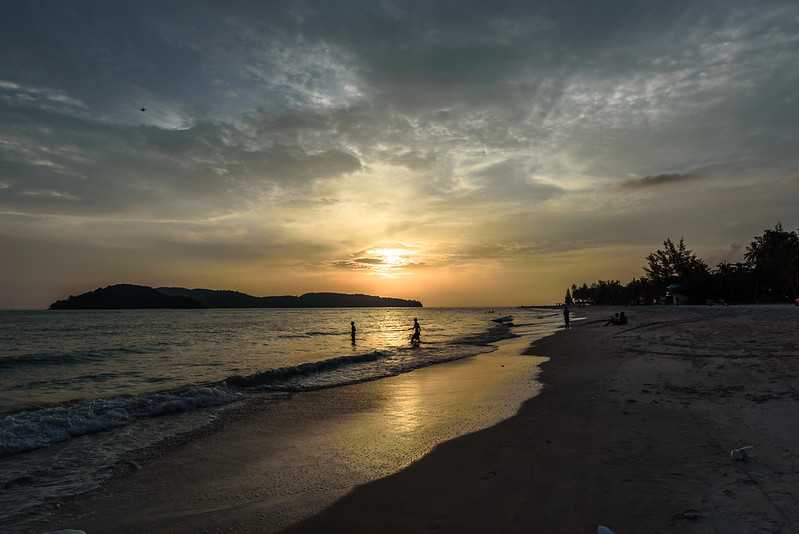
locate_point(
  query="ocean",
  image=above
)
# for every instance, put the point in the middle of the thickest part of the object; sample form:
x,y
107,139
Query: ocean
x,y
79,390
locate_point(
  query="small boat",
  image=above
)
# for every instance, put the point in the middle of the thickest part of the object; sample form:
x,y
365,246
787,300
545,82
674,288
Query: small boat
x,y
505,319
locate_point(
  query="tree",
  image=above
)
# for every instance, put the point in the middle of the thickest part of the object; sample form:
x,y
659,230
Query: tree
x,y
567,300
641,291
774,256
584,294
771,273
673,263
676,264
733,282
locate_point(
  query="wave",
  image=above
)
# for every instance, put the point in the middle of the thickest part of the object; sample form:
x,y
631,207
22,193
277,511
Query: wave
x,y
326,333
271,376
496,332
312,334
36,428
32,429
66,358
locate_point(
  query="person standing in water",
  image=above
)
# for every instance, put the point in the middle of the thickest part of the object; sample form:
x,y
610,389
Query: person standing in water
x,y
416,338
352,323
566,315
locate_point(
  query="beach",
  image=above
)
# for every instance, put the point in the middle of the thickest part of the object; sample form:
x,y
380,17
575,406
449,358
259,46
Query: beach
x,y
632,430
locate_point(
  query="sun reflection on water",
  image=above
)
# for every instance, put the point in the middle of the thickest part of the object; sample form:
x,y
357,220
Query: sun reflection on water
x,y
404,407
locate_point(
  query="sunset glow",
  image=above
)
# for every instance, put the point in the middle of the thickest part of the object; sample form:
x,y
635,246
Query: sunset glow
x,y
493,161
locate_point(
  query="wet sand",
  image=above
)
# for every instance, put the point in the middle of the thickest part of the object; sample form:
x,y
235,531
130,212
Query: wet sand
x,y
282,461
632,431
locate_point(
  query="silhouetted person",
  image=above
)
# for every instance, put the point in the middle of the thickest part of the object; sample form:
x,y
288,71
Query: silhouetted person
x,y
566,315
617,319
416,338
352,323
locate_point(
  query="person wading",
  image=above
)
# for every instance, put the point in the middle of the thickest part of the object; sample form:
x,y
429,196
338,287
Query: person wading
x,y
416,337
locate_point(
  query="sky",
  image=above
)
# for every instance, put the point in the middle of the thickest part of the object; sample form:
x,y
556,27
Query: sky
x,y
460,153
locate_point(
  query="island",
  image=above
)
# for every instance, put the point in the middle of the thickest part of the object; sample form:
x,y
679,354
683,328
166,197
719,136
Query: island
x,y
130,296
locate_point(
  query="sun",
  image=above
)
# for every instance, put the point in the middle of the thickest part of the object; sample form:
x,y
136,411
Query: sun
x,y
392,260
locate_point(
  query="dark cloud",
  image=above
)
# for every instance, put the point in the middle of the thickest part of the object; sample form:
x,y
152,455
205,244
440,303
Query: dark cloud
x,y
350,264
625,88
659,180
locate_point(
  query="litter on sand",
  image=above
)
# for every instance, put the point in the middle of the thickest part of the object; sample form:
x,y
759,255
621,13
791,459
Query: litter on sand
x,y
742,454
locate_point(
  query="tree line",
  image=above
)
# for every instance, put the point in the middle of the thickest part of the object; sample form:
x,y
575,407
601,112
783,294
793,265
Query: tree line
x,y
768,274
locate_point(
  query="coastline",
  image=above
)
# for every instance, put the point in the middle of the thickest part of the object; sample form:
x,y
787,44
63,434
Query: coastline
x,y
632,431
278,461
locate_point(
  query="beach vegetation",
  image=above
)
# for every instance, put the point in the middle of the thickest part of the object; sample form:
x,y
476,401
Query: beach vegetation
x,y
768,274
774,259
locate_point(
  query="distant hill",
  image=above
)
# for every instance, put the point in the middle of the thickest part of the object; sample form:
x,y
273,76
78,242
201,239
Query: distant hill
x,y
124,296
127,296
215,298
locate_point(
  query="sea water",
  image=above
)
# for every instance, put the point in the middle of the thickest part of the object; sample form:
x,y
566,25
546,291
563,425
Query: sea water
x,y
80,389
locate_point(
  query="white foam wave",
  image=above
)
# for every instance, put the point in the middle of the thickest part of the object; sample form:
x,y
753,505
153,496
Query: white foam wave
x,y
33,429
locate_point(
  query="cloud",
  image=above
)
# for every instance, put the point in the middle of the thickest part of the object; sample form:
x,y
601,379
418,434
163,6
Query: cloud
x,y
489,131
369,261
416,160
208,168
43,97
48,193
659,180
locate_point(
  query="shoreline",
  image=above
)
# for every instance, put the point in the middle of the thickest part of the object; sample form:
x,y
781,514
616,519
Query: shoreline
x,y
87,442
255,467
632,431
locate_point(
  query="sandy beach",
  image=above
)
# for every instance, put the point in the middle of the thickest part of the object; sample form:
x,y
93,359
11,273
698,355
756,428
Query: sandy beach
x,y
632,430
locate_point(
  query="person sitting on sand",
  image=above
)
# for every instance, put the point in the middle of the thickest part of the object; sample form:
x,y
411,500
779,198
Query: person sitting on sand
x,y
617,319
352,323
416,338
